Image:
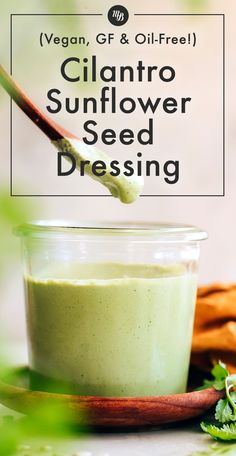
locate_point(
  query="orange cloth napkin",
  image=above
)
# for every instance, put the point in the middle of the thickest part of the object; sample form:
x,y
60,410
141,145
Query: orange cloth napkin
x,y
214,334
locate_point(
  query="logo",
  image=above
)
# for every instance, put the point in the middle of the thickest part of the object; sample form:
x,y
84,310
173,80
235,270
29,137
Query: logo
x,y
118,15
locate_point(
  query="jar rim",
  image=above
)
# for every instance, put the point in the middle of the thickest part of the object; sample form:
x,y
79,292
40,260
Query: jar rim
x,y
161,231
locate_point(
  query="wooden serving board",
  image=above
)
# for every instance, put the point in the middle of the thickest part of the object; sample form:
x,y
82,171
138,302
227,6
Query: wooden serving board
x,y
112,412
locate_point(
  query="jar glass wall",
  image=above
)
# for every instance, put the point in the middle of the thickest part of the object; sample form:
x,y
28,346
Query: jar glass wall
x,y
110,309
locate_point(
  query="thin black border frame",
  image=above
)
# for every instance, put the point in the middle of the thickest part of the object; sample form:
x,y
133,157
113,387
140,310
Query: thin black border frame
x,y
110,196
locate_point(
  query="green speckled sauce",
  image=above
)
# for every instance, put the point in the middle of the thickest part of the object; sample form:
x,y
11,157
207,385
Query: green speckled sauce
x,y
113,329
127,189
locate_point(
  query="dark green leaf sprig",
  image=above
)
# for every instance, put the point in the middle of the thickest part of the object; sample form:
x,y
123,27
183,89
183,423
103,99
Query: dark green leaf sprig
x,y
225,412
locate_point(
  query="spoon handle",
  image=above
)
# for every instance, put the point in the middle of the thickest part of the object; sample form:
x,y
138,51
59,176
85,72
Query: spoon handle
x,y
46,125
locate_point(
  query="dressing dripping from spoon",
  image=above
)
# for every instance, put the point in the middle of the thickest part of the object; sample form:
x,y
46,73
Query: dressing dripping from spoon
x,y
127,189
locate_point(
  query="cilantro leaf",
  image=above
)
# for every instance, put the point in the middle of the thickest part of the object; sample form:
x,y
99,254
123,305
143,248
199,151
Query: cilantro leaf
x,y
224,412
219,371
219,385
226,432
219,374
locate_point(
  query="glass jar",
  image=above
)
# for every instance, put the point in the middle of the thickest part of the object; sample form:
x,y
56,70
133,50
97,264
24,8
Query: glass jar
x,y
110,309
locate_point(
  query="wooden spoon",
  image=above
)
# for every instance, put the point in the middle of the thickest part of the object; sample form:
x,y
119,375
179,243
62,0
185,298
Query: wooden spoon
x,y
48,126
127,189
109,411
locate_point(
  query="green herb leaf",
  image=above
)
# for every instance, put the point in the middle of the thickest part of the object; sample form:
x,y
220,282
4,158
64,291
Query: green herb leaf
x,y
226,432
219,374
219,371
224,412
